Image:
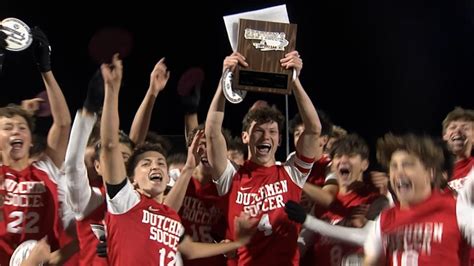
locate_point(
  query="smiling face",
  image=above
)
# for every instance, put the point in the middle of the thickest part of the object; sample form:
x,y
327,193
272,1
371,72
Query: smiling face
x,y
349,159
458,135
409,178
263,140
15,137
349,168
151,173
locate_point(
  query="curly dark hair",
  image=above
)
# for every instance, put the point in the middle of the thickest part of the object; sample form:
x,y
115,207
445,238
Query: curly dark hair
x,y
262,115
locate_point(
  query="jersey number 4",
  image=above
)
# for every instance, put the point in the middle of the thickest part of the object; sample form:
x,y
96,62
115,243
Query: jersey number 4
x,y
265,225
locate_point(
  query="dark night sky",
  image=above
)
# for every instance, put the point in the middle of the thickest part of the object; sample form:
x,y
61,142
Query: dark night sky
x,y
413,59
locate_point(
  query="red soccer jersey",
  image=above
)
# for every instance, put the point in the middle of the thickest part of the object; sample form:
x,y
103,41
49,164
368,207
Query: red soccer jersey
x,y
88,240
461,169
30,207
262,193
202,215
328,251
426,234
317,177
141,231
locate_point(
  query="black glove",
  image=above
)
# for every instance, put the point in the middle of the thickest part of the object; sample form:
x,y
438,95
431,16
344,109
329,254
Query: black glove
x,y
3,37
102,247
95,93
190,103
295,211
189,89
3,44
42,50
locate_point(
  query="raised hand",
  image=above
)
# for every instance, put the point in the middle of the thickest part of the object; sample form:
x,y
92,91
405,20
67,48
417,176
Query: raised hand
x,y
194,152
295,211
245,226
159,77
292,60
380,181
41,49
31,105
189,89
358,216
112,74
231,61
95,93
39,254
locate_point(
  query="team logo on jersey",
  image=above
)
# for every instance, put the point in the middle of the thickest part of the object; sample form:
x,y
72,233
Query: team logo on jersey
x,y
163,229
150,208
24,193
268,197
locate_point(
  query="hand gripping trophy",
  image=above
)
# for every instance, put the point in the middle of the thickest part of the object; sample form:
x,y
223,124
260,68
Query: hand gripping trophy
x,y
263,40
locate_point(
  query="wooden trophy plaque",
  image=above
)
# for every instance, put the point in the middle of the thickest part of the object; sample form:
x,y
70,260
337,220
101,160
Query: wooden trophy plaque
x,y
263,44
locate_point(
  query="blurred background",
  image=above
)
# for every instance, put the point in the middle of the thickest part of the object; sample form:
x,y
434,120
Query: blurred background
x,y
372,66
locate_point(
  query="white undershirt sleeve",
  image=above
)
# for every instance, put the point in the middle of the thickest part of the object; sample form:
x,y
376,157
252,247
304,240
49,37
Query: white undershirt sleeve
x,y
373,246
356,236
81,197
125,200
66,214
297,169
224,182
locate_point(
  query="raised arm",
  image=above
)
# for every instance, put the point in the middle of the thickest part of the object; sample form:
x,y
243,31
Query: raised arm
x,y
190,123
307,143
158,79
189,91
79,193
59,132
114,169
216,145
175,197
